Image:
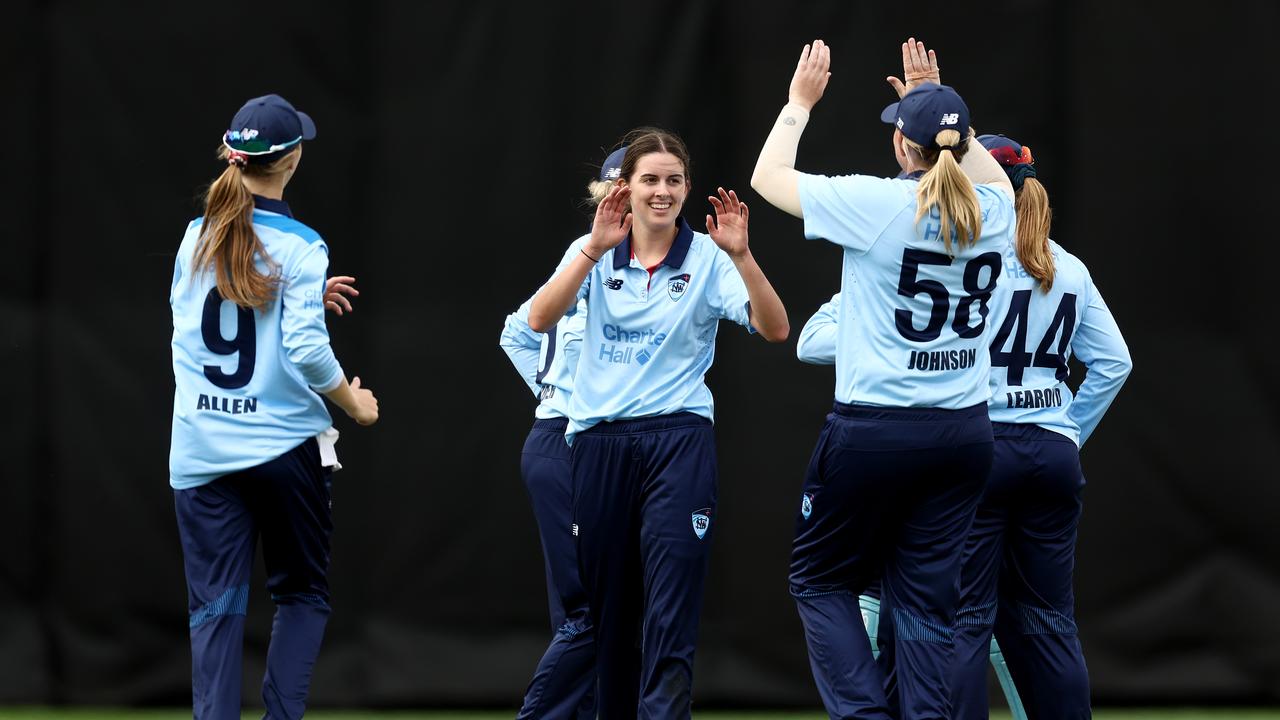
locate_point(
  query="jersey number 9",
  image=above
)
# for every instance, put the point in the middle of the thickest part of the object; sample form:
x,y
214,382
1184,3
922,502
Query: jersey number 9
x,y
244,342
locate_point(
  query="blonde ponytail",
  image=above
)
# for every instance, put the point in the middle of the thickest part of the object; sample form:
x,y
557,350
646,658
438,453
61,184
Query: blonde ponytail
x,y
946,186
597,190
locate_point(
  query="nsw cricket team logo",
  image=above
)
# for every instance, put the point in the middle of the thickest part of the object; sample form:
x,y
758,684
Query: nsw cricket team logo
x,y
701,522
806,505
677,285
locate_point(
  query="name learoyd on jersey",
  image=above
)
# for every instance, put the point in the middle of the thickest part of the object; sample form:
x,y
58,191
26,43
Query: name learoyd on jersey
x,y
623,345
230,406
1048,397
942,360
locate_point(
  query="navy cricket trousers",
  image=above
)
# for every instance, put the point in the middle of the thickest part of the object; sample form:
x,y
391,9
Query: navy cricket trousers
x,y
889,494
563,684
286,503
1017,578
643,507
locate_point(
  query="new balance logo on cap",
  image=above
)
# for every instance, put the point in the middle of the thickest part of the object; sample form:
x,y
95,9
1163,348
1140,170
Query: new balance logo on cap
x,y
613,283
950,119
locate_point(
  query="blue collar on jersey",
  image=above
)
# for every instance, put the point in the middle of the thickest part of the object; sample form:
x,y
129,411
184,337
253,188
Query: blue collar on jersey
x,y
276,206
910,175
675,256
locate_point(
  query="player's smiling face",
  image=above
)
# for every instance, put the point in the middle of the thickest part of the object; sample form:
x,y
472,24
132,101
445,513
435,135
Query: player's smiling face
x,y
658,189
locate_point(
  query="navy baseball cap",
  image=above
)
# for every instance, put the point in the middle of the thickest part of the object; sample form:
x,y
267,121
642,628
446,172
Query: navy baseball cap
x,y
612,168
266,128
925,111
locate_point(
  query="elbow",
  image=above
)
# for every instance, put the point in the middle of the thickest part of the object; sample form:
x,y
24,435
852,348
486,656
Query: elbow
x,y
758,181
1123,366
539,322
1126,367
777,333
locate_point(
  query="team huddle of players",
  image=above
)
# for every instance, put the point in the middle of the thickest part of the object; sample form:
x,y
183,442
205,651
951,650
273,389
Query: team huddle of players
x,y
939,507
919,529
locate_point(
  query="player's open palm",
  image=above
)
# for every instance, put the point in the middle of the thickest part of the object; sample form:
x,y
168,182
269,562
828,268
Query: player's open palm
x,y
918,66
729,227
811,76
612,223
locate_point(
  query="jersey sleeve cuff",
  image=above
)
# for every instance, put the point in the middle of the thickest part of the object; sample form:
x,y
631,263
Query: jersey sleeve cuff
x,y
334,382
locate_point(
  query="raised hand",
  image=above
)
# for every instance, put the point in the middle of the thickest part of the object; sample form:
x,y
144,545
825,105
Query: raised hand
x,y
612,223
918,66
811,76
335,290
729,228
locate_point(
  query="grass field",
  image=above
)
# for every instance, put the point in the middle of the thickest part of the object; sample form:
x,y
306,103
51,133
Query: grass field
x,y
32,713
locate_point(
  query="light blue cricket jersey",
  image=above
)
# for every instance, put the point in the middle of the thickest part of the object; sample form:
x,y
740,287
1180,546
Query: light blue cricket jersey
x,y
649,341
817,344
1036,333
546,361
244,378
921,339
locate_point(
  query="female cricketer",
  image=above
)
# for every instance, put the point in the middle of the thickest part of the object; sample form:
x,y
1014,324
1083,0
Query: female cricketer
x,y
563,684
643,458
252,443
900,463
1020,554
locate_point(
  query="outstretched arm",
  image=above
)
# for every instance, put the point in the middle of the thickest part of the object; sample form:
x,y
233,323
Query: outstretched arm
x,y
775,176
729,231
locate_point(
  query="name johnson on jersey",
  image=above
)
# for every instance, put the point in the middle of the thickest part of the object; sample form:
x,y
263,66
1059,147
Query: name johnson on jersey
x,y
942,360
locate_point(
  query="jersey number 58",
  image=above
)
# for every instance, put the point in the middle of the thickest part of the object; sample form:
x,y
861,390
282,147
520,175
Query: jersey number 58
x,y
910,285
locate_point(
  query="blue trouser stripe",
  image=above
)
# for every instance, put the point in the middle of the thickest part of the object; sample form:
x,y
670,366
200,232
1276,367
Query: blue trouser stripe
x,y
235,601
911,627
977,616
1043,621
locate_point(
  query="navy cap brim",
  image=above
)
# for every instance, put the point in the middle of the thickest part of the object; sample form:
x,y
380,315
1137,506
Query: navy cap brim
x,y
890,114
308,127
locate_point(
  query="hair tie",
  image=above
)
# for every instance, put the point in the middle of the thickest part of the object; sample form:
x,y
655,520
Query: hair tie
x,y
946,147
237,158
1019,173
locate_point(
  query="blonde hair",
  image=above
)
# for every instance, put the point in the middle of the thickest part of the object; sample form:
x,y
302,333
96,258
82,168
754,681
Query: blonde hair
x,y
228,246
1032,238
597,190
946,186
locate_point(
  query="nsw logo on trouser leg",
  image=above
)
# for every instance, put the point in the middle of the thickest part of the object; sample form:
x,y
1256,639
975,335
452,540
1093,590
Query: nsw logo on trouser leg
x,y
806,505
701,522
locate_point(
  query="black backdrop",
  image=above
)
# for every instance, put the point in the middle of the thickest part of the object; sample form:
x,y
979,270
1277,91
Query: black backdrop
x,y
455,139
